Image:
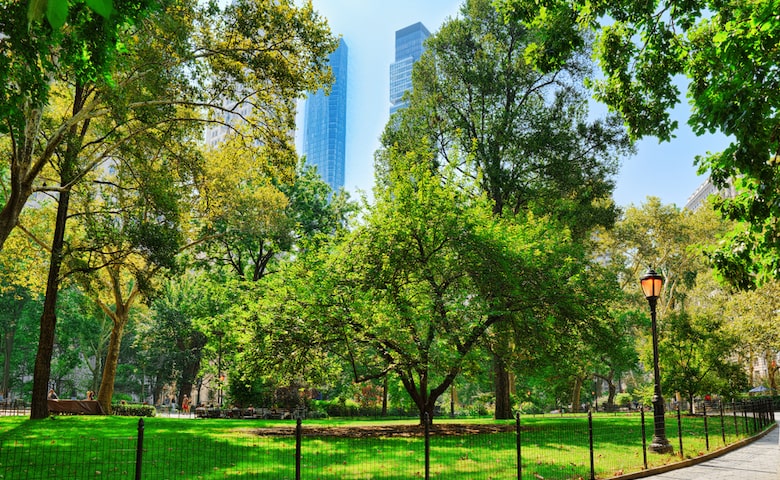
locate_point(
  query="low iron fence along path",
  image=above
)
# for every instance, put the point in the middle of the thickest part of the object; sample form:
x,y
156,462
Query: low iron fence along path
x,y
573,447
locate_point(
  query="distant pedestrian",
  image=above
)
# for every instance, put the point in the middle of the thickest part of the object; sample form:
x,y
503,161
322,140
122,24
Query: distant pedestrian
x,y
185,404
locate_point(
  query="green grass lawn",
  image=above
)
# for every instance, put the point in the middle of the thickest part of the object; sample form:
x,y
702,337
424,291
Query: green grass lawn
x,y
79,447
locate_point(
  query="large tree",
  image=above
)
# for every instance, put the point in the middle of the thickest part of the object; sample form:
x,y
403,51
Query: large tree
x,y
150,58
752,316
414,290
728,53
523,133
176,335
147,73
696,348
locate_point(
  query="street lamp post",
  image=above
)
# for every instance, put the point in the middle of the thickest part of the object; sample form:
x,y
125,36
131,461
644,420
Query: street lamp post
x,y
652,283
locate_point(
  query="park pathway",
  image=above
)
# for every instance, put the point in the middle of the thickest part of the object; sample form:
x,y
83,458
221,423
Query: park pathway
x,y
758,461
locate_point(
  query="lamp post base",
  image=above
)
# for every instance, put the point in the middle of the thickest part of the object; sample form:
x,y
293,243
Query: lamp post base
x,y
660,445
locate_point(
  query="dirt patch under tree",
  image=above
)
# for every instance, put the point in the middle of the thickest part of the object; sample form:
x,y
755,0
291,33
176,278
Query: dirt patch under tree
x,y
388,430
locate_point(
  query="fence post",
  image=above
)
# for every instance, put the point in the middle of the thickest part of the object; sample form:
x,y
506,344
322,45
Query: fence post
x,y
744,417
706,429
764,414
590,443
770,415
734,411
753,409
427,421
298,441
139,449
519,448
644,436
722,423
679,429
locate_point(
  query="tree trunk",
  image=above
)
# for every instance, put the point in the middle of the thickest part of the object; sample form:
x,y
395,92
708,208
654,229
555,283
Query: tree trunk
x,y
453,399
502,389
384,396
771,369
426,413
192,366
21,180
9,215
40,408
576,395
612,392
612,389
106,391
8,348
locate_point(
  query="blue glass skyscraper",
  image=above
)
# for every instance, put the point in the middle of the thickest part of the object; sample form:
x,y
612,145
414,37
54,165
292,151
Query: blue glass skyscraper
x,y
408,49
325,124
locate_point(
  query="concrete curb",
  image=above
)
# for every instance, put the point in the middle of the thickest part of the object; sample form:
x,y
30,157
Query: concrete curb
x,y
697,460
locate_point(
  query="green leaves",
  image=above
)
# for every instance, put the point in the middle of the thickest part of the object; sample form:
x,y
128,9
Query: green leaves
x,y
104,8
57,10
728,51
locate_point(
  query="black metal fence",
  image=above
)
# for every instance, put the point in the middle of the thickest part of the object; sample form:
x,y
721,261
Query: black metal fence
x,y
550,448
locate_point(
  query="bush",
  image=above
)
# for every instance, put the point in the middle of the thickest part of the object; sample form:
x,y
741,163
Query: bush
x,y
339,407
530,408
133,410
121,397
316,414
623,399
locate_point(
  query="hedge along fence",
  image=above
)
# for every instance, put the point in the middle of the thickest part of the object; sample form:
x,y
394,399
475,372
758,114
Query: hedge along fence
x,y
552,448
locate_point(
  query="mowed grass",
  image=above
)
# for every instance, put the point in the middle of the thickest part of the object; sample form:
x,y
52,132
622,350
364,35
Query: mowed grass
x,y
79,447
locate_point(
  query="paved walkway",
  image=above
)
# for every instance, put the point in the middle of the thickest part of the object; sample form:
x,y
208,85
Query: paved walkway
x,y
758,461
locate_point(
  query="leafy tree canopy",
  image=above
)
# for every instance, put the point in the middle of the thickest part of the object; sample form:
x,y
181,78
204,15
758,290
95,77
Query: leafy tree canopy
x,y
728,52
421,283
523,133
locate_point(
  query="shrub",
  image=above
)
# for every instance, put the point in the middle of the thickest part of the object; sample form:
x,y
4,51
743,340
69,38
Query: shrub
x,y
340,407
133,410
121,397
530,408
623,399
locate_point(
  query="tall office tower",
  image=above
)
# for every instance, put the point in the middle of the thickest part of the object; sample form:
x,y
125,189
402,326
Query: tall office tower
x,y
325,124
408,49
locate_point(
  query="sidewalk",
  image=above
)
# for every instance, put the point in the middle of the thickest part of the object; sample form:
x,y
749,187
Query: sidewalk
x,y
758,461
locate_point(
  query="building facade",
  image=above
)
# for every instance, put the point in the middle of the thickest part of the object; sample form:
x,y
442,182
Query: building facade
x,y
699,197
325,124
408,49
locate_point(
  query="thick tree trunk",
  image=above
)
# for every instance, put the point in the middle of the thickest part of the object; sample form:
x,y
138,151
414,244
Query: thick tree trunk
x,y
426,414
9,218
191,368
23,172
40,408
119,318
502,389
612,392
106,391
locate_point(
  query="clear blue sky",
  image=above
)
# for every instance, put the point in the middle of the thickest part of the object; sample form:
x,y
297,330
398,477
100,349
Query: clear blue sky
x,y
368,27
